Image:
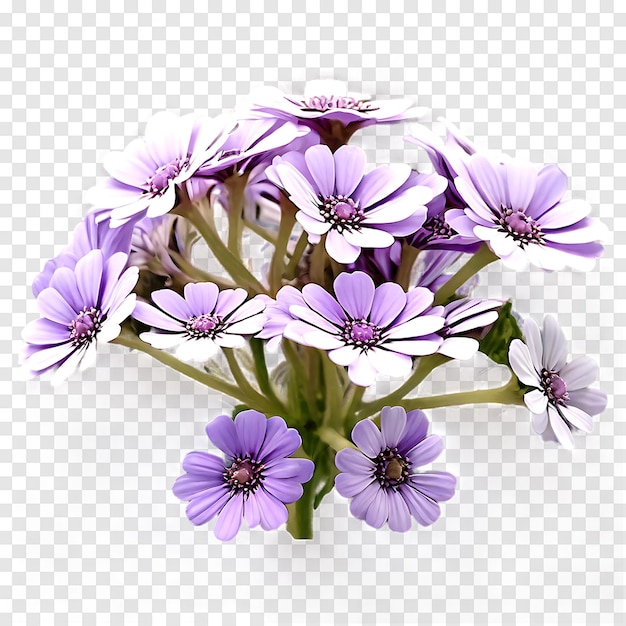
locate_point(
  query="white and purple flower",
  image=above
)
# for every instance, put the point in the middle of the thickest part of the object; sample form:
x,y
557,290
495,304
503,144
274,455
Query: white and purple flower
x,y
254,482
354,209
381,476
365,328
561,401
202,321
81,308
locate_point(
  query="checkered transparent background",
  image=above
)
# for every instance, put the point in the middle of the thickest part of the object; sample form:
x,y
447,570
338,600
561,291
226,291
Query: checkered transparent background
x,y
91,533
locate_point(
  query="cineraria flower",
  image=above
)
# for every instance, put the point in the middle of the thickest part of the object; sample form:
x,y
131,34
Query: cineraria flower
x,y
381,476
327,101
201,322
366,328
468,315
277,314
354,209
255,481
88,235
561,401
81,308
145,175
520,212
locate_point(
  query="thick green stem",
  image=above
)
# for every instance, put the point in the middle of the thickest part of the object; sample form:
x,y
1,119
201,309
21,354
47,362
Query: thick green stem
x,y
318,263
403,275
235,185
334,439
257,347
332,392
301,246
199,274
480,259
300,521
277,265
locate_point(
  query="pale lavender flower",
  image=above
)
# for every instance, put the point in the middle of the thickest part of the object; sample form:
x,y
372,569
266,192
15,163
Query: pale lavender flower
x,y
354,209
467,316
561,401
201,322
254,482
381,476
381,264
327,101
144,177
520,212
81,308
277,314
366,328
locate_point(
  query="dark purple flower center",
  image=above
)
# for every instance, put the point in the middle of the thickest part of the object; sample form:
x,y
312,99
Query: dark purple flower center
x,y
158,183
85,327
244,475
439,228
206,325
361,334
554,386
520,226
325,103
341,212
392,469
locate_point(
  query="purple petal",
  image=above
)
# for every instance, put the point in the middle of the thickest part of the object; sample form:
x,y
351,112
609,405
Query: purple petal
x,y
321,165
312,317
273,512
399,515
300,470
190,486
381,183
204,508
350,485
580,373
417,300
426,451
355,293
389,300
230,299
349,168
362,500
201,297
438,486
45,358
565,214
550,188
521,178
424,510
378,510
173,304
322,302
368,438
280,441
287,491
251,427
229,519
414,431
252,512
222,433
44,332
591,401
53,306
353,462
204,464
64,281
392,424
151,316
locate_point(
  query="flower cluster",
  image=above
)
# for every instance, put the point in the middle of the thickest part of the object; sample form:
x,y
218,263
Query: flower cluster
x,y
369,274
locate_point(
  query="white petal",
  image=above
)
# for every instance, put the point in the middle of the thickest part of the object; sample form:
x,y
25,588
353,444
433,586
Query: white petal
x,y
578,418
163,341
560,428
521,363
580,373
536,401
459,347
554,345
539,421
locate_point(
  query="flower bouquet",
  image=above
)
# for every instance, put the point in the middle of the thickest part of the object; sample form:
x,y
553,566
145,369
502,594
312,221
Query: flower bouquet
x,y
355,280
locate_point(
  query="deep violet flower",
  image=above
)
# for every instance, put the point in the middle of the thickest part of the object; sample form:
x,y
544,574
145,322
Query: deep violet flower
x,y
201,322
80,309
561,401
354,209
144,177
254,482
519,210
381,476
366,328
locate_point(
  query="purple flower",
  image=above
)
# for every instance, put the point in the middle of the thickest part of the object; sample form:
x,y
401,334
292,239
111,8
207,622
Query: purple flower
x,y
381,476
519,210
88,235
81,308
366,328
201,322
352,208
255,481
468,315
325,102
561,401
145,175
277,314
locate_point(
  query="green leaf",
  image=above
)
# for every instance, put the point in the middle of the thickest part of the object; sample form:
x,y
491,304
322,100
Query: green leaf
x,y
495,344
329,471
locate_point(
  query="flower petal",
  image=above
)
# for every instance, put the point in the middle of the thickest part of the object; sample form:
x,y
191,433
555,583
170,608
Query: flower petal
x,y
536,401
554,345
321,165
229,519
251,427
577,417
378,510
423,509
273,512
426,451
521,363
368,438
392,423
204,508
223,435
580,373
355,293
438,486
352,461
561,430
591,401
399,515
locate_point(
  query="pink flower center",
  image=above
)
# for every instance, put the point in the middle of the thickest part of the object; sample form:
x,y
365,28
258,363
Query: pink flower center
x,y
158,183
341,212
554,386
244,474
85,327
361,334
206,325
521,227
325,103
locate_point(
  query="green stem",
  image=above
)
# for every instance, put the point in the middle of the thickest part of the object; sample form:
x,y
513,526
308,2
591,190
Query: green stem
x,y
424,367
352,401
300,521
277,265
261,232
318,263
235,185
199,274
260,367
480,259
334,439
301,246
332,391
403,275
129,339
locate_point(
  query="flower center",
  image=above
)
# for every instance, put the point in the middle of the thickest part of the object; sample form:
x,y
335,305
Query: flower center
x,y
392,469
554,387
439,228
361,334
520,226
325,103
341,212
158,183
85,327
206,325
244,474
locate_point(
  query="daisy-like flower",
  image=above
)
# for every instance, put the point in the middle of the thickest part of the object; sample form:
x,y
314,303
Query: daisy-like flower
x,y
520,212
327,101
201,322
81,308
145,175
464,317
366,328
277,314
561,401
381,476
354,209
254,482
